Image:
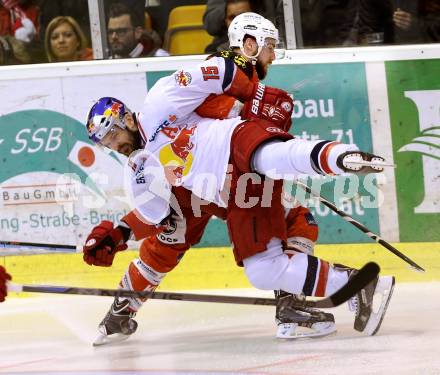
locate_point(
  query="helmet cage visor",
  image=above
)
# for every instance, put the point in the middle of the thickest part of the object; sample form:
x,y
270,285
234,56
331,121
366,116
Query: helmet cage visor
x,y
103,118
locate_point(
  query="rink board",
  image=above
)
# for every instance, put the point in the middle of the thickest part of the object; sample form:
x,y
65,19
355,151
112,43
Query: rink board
x,y
205,268
55,186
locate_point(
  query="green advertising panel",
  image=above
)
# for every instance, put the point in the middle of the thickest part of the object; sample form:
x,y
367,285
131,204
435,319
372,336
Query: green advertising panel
x,y
38,141
331,102
414,100
54,185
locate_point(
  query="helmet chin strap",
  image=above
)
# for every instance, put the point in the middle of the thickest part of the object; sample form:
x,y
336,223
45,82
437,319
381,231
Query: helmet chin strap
x,y
135,119
138,133
253,58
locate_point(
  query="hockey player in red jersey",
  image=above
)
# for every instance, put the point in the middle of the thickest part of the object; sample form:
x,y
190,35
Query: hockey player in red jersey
x,y
302,227
258,232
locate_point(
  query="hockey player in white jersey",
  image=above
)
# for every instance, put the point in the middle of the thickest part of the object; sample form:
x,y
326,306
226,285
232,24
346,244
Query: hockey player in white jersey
x,y
195,151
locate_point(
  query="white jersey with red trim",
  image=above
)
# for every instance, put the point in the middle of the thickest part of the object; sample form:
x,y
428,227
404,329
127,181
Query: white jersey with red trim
x,y
174,98
194,150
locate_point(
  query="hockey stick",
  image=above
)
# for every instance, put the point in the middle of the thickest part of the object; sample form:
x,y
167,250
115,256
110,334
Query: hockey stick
x,y
365,275
360,226
71,248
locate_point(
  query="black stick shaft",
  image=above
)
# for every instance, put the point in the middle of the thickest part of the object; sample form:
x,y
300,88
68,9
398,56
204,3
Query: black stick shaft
x,y
151,295
36,244
361,227
364,276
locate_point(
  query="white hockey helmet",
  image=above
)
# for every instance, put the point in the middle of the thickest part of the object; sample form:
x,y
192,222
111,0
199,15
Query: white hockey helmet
x,y
251,24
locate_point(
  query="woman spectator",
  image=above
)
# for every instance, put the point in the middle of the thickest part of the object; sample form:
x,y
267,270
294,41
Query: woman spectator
x,y
77,9
65,41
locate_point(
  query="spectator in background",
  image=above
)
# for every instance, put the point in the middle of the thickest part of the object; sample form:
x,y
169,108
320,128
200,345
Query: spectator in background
x,y
394,22
19,18
416,22
77,9
312,21
220,13
136,6
375,22
127,36
217,18
13,51
328,23
19,25
65,41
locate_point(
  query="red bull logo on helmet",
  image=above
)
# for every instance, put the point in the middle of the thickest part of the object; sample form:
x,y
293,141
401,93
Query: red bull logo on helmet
x,y
115,110
183,78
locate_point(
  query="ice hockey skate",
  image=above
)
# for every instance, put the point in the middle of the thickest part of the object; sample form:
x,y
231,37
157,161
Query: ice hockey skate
x,y
361,162
369,312
300,322
117,325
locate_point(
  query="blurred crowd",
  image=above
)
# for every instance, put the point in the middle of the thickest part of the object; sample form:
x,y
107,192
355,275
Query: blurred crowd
x,y
37,31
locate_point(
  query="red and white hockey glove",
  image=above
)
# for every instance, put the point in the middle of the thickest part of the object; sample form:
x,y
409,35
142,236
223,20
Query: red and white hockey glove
x,y
103,243
271,104
4,277
277,115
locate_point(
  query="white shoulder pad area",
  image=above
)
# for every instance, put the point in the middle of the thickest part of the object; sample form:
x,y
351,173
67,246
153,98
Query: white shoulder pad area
x,y
147,187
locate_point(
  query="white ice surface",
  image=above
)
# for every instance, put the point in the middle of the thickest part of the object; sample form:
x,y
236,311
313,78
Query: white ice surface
x,y
53,335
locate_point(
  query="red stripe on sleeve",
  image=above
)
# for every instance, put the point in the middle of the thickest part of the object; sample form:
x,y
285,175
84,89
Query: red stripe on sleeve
x,y
323,158
322,279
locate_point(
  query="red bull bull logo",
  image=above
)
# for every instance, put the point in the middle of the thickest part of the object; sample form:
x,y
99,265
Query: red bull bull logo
x,y
178,153
183,78
114,110
182,144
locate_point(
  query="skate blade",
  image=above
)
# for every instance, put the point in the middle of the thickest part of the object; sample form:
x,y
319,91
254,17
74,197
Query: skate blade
x,y
373,164
357,163
109,339
384,287
290,331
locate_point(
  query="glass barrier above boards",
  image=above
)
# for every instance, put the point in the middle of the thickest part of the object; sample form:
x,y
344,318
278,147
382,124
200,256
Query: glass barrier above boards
x,y
38,31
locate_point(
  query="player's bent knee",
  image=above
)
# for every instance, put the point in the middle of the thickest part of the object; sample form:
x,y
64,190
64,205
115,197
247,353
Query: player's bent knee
x,y
265,273
293,278
260,280
279,272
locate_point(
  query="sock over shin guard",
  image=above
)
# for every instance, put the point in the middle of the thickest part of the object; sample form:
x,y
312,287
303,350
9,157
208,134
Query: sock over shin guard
x,y
140,277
